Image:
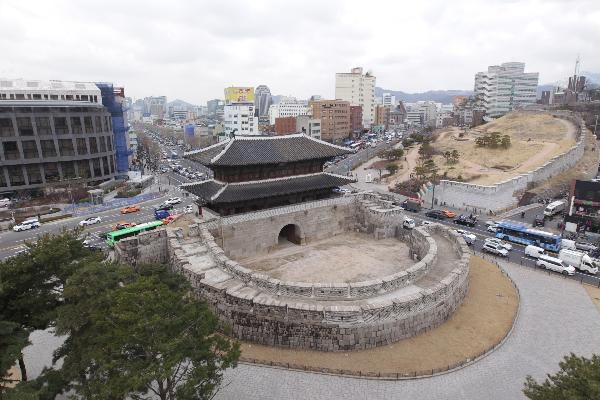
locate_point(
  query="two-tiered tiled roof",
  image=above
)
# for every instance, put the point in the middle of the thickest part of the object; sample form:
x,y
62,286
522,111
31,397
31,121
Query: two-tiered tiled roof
x,y
216,192
256,150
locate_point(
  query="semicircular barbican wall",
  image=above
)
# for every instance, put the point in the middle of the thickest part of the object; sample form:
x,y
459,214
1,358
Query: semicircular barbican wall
x,y
326,316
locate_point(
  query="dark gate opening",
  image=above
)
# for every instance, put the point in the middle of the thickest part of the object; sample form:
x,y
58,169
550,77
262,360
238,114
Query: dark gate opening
x,y
290,233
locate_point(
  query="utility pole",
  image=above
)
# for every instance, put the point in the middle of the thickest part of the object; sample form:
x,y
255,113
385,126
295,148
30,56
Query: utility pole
x,y
595,125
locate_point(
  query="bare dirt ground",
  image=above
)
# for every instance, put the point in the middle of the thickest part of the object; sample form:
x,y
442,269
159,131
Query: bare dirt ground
x,y
351,257
594,294
483,320
535,137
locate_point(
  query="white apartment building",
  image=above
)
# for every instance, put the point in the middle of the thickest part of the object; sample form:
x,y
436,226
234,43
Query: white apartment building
x,y
358,89
428,109
505,87
388,100
287,107
238,118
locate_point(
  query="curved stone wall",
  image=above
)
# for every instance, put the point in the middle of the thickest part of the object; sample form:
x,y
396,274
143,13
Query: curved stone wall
x,y
329,316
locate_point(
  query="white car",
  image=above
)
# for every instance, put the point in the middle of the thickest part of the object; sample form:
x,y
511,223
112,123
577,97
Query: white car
x,y
27,224
492,228
408,223
555,264
90,221
494,249
188,209
469,237
500,243
173,200
427,223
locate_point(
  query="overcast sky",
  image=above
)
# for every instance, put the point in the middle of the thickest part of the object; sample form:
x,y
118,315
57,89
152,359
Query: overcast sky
x,y
192,49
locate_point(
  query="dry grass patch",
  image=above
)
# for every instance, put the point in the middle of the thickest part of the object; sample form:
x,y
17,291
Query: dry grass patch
x,y
483,320
594,294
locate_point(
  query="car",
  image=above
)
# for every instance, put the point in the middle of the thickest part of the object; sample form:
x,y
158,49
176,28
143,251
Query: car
x,y
492,222
169,219
173,200
123,225
539,220
90,221
499,242
436,214
425,223
408,223
30,223
164,206
188,209
555,264
130,209
492,228
468,236
467,220
493,248
449,214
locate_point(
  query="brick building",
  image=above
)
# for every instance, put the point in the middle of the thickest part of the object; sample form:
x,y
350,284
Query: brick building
x,y
285,125
356,123
335,119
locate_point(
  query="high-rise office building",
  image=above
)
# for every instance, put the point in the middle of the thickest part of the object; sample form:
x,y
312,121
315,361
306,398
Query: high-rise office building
x,y
262,100
359,90
239,113
504,88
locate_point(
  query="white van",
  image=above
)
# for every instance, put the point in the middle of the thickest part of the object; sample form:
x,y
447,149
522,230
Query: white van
x,y
555,207
534,251
555,264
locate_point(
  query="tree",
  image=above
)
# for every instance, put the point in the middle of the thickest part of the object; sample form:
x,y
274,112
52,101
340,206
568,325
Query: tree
x,y
392,168
578,378
494,140
448,156
31,287
425,169
426,150
505,142
140,334
455,156
393,154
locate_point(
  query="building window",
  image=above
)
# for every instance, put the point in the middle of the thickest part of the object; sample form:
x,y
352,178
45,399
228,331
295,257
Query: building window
x,y
83,166
51,172
96,167
48,149
15,172
76,126
6,127
2,180
87,121
81,146
29,149
68,169
98,124
25,127
33,174
109,142
60,126
93,146
65,147
43,126
11,151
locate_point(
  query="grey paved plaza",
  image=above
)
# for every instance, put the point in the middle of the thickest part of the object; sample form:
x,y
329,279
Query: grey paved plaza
x,y
556,317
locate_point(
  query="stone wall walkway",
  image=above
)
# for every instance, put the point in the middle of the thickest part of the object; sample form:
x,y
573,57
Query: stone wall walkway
x,y
557,317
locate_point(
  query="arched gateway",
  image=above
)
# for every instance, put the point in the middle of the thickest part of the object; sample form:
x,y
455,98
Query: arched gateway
x,y
290,233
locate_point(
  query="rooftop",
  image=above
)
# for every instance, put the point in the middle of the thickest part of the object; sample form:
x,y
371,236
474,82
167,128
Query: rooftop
x,y
213,191
257,150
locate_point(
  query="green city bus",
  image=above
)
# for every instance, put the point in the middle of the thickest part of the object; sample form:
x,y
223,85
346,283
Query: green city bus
x,y
114,237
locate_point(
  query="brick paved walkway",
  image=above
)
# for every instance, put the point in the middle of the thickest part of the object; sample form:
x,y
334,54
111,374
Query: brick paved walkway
x,y
556,317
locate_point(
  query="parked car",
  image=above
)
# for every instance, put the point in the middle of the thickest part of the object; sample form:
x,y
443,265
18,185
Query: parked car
x,y
466,220
534,251
169,219
165,206
436,214
130,209
468,236
449,214
539,220
408,223
30,223
173,200
492,228
90,221
500,242
160,214
123,225
493,248
555,264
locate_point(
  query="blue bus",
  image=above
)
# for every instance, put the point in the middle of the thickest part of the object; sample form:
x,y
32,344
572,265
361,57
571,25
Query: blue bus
x,y
524,235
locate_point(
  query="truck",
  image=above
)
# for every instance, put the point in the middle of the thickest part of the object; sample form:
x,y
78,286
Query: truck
x,y
580,261
556,207
412,204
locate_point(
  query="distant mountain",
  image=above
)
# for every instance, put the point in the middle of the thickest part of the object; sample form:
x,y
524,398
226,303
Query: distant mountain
x,y
180,103
593,77
439,96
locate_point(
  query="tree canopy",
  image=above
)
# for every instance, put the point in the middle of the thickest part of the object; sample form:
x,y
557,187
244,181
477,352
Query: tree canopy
x,y
577,379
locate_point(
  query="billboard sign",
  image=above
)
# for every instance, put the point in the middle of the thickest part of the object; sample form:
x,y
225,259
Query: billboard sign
x,y
239,94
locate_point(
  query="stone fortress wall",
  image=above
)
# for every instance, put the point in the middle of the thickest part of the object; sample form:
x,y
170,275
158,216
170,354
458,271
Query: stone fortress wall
x,y
325,316
505,195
